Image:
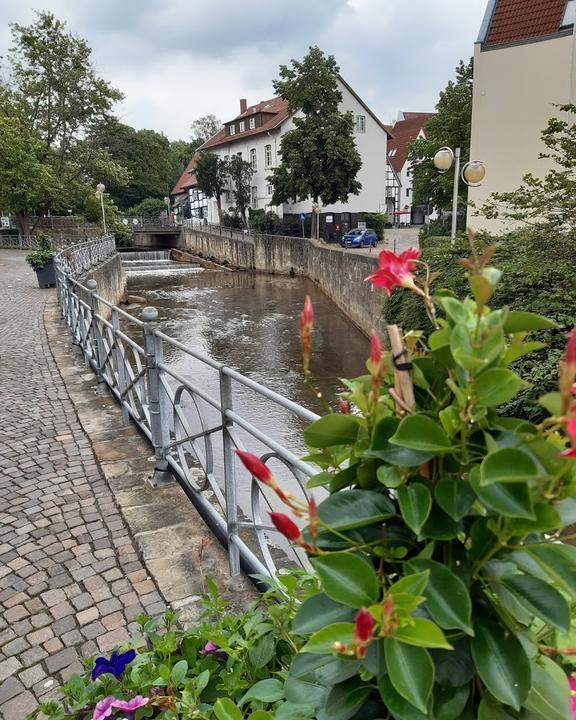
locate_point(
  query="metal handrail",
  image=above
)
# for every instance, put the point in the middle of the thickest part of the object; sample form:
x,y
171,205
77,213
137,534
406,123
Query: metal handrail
x,y
193,432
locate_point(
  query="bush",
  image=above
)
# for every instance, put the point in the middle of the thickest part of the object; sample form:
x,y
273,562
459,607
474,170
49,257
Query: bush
x,y
537,276
148,209
232,219
39,258
377,221
123,235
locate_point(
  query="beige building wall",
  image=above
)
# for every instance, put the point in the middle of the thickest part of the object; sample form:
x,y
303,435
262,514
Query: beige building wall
x,y
515,90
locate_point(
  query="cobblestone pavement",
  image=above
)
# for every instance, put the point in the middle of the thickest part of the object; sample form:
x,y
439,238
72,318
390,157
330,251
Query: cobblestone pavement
x,y
71,580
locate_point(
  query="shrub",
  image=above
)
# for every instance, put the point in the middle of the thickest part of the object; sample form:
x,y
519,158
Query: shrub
x,y
43,254
148,209
377,221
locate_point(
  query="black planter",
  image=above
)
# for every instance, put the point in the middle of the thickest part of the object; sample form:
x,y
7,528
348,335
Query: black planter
x,y
46,276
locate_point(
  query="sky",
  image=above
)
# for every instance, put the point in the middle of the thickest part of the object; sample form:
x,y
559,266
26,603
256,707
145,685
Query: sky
x,y
176,60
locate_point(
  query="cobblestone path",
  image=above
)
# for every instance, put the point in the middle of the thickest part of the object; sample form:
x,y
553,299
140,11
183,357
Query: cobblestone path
x,y
71,581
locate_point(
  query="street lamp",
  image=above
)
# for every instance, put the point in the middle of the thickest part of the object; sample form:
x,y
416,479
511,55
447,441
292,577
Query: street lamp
x,y
100,188
472,174
167,201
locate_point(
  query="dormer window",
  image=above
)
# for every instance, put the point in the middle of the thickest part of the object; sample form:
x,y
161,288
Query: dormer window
x,y
392,152
232,129
252,123
569,14
242,125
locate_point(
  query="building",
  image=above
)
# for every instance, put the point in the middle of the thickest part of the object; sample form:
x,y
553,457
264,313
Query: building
x,y
256,134
186,199
524,65
409,126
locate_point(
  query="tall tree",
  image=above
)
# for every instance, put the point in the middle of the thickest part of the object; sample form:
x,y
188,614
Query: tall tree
x,y
240,173
203,128
450,127
212,177
319,156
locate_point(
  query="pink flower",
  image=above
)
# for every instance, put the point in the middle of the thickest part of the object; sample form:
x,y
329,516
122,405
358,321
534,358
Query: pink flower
x,y
105,707
572,683
571,430
306,321
375,349
570,357
395,270
363,625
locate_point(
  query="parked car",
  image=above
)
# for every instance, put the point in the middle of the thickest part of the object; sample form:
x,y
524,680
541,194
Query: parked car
x,y
359,238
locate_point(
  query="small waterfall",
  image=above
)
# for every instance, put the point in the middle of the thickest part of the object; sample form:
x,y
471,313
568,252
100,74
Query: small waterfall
x,y
154,261
145,256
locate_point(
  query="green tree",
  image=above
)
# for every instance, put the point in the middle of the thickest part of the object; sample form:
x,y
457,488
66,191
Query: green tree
x,y
203,128
450,127
149,209
180,155
319,156
240,173
550,201
212,178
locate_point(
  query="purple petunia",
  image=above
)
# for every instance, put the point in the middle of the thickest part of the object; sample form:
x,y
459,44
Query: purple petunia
x,y
105,707
212,649
115,666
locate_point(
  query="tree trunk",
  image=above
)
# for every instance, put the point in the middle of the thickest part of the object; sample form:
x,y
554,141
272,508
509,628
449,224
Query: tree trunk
x,y
23,222
315,220
219,206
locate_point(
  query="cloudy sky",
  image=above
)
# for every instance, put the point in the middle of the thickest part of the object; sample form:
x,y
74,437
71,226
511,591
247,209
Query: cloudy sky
x,y
176,60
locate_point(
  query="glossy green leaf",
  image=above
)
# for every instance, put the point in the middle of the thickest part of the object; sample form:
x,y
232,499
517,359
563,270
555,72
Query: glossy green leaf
x,y
260,715
225,709
449,702
540,599
456,310
268,691
522,321
510,499
304,691
178,673
396,704
348,579
389,476
518,350
492,709
454,668
262,651
447,598
508,465
318,611
330,430
393,454
566,509
440,526
412,584
545,518
411,672
415,502
549,695
419,432
454,496
496,386
355,508
290,711
501,663
323,669
422,633
558,561
552,402
323,641
319,480
344,701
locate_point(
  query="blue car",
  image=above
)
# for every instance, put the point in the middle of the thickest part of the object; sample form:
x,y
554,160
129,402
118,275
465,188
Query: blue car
x,y
359,238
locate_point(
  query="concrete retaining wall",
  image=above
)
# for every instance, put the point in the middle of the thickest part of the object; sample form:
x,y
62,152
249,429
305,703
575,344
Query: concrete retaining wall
x,y
110,282
340,274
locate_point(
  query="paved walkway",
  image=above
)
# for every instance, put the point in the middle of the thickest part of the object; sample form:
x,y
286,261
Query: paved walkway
x,y
71,580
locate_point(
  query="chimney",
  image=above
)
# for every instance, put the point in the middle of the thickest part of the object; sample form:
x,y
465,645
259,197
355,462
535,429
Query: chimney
x,y
243,105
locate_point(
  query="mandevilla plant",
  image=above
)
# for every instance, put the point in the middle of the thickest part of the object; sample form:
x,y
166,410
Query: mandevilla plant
x,y
447,581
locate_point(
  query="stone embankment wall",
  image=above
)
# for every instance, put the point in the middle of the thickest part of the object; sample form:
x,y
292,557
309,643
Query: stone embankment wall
x,y
110,282
340,274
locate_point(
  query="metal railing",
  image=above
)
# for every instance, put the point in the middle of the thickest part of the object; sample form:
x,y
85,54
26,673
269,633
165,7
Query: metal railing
x,y
193,432
30,242
218,230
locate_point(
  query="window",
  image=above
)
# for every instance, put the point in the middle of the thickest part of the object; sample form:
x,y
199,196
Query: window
x,y
392,152
407,192
268,156
253,158
254,195
252,123
269,190
232,129
239,154
242,125
360,123
227,195
569,14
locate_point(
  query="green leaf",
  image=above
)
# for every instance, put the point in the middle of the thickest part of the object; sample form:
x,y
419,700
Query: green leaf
x,y
549,695
262,651
415,503
491,709
348,579
449,702
260,715
200,681
393,454
540,599
322,642
508,465
566,509
355,508
552,402
522,321
512,499
496,386
501,663
323,669
412,584
225,709
396,704
290,711
179,672
389,476
268,691
558,561
411,672
318,611
454,668
419,432
330,430
447,597
454,496
456,310
305,691
319,480
344,701
423,633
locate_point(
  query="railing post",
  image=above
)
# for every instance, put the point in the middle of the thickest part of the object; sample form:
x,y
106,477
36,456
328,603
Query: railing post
x,y
120,367
98,352
229,475
158,424
72,312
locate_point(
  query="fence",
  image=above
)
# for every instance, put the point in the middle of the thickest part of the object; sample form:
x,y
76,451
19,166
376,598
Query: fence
x,y
218,230
30,242
189,429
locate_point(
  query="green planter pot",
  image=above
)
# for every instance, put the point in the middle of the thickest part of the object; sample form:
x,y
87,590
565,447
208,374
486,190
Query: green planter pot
x,y
46,275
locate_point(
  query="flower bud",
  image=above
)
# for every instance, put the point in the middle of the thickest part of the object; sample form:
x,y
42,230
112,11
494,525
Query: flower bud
x,y
255,466
363,625
286,526
344,406
306,321
375,349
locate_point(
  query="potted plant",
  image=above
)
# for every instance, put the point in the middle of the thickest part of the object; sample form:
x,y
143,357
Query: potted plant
x,y
42,262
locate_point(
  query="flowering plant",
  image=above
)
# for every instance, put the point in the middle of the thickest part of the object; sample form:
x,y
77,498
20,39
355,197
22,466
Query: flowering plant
x,y
447,577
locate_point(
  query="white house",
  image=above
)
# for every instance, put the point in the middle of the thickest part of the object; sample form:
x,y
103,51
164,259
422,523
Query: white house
x,y
408,127
256,134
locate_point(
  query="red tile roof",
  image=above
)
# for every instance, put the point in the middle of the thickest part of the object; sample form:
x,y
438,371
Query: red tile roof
x,y
278,110
403,132
187,179
517,20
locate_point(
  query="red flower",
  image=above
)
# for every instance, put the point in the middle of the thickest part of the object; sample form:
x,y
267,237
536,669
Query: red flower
x,y
363,626
571,430
287,527
395,270
307,314
306,321
256,467
570,356
375,349
344,406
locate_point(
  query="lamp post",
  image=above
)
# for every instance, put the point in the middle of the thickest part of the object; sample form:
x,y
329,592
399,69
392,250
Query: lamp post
x,y
167,201
100,188
472,174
